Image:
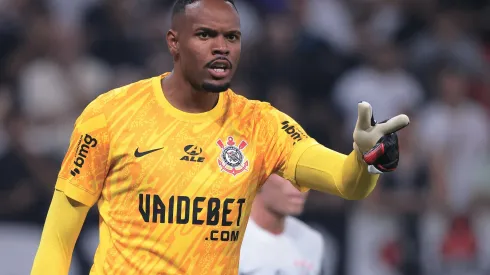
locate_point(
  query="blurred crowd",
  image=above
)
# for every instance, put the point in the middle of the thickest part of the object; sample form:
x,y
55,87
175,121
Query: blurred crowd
x,y
312,59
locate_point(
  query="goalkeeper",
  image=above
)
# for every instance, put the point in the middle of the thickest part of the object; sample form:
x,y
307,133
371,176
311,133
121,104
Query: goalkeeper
x,y
174,161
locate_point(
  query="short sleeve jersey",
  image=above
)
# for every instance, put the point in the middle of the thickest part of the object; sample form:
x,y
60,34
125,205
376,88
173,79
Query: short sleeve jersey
x,y
174,189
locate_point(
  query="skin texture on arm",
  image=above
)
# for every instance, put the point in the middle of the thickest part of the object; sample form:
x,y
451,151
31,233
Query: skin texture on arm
x,y
322,169
63,224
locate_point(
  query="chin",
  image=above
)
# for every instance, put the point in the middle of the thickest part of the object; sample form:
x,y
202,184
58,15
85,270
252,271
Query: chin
x,y
295,211
216,86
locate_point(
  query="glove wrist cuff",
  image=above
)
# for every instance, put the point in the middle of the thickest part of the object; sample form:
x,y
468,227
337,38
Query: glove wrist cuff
x,y
373,170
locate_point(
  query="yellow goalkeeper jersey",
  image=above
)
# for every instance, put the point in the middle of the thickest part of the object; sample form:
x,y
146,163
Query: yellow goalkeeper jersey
x,y
174,189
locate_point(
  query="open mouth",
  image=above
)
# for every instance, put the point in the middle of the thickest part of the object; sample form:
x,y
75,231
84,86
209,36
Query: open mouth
x,y
219,69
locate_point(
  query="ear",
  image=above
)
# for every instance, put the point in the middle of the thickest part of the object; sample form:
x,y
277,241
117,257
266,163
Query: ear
x,y
172,42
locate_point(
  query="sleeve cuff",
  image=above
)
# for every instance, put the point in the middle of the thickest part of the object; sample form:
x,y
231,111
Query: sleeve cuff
x,y
290,171
75,193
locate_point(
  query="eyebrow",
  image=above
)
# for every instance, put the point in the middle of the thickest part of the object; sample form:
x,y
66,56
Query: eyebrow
x,y
235,32
206,29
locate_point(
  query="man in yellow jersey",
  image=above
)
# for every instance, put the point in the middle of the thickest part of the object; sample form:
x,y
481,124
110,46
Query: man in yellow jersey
x,y
174,162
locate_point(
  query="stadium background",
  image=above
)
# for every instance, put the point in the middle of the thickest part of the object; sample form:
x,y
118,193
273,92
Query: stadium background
x,y
313,59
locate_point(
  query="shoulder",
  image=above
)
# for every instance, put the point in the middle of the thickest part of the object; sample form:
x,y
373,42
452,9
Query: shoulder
x,y
113,102
307,239
130,92
258,115
262,111
304,232
267,121
239,102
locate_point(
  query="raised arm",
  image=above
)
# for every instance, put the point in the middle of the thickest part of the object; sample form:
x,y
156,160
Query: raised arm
x,y
309,165
322,169
353,176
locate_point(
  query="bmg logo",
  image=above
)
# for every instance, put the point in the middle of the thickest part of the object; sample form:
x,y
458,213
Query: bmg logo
x,y
293,132
82,152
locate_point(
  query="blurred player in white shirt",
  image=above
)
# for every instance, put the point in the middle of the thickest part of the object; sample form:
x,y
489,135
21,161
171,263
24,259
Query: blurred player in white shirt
x,y
275,243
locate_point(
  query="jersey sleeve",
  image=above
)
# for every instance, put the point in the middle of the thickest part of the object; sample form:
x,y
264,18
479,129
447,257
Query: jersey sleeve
x,y
286,141
85,165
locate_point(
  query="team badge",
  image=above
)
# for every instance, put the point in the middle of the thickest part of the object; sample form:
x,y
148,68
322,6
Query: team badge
x,y
231,159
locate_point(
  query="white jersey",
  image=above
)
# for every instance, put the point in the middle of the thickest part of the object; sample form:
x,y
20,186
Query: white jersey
x,y
297,251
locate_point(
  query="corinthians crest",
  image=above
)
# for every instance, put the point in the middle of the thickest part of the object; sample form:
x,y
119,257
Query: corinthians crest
x,y
231,159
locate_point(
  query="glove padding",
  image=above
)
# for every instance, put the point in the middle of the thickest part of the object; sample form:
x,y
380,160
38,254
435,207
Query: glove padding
x,y
378,142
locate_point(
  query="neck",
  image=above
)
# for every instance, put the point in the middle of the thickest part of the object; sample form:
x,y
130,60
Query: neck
x,y
183,96
266,219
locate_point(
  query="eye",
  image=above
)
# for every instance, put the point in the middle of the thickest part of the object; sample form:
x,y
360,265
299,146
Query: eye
x,y
203,35
232,37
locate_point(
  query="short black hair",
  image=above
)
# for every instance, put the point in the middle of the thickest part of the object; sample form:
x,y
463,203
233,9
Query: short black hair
x,y
179,5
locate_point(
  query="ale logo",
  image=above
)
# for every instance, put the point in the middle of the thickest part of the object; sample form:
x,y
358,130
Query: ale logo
x,y
193,154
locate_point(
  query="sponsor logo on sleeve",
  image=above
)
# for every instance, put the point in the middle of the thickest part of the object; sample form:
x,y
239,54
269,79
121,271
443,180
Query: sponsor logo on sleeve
x,y
294,132
83,149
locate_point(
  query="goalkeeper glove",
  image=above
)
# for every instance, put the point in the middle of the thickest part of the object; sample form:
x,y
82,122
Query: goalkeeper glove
x,y
378,142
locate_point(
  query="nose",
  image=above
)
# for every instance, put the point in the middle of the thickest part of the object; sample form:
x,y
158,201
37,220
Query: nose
x,y
220,46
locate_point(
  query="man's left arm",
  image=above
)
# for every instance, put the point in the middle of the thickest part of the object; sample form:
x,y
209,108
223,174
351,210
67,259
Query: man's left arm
x,y
310,165
322,169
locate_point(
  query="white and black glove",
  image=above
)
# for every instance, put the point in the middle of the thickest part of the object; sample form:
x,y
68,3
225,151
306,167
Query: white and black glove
x,y
378,141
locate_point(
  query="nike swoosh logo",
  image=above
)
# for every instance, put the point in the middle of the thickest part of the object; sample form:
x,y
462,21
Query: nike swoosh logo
x,y
139,154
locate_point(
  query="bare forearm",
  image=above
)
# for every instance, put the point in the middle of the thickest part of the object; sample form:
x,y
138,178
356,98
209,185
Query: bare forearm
x,y
325,170
64,221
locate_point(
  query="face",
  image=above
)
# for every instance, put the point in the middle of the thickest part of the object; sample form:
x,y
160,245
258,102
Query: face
x,y
281,197
206,44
